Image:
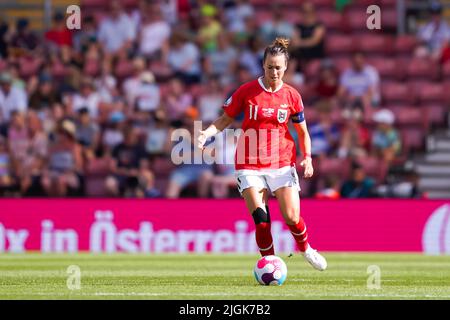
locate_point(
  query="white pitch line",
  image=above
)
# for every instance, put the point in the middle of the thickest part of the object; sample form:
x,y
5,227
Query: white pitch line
x,y
152,294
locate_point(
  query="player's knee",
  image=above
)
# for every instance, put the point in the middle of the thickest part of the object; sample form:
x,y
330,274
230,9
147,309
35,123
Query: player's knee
x,y
260,216
292,216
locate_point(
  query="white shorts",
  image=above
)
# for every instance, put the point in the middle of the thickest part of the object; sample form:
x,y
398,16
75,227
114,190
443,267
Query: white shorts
x,y
271,179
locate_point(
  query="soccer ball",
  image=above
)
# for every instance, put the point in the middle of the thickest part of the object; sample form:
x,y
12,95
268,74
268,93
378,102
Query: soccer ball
x,y
270,270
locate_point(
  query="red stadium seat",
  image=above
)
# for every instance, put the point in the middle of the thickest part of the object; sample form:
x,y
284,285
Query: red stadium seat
x,y
410,117
91,68
405,44
29,66
436,114
431,92
339,45
374,167
87,4
331,19
446,71
389,19
373,44
388,68
395,92
342,64
420,68
3,64
355,20
312,69
334,166
123,69
413,139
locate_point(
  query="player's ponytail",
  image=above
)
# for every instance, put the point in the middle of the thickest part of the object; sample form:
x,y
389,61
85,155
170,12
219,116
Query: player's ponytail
x,y
279,46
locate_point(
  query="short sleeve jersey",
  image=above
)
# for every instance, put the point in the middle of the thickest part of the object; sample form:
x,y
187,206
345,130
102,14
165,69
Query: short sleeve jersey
x,y
265,141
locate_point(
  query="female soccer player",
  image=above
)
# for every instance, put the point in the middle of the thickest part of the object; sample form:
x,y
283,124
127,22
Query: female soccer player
x,y
266,153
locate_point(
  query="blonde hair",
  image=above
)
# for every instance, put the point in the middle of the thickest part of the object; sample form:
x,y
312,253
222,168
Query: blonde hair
x,y
278,46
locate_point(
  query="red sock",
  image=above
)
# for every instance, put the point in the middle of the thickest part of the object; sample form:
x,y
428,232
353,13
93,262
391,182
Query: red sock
x,y
300,235
264,239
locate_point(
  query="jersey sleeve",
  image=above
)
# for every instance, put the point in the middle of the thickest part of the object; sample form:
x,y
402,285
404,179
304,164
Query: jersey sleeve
x,y
234,104
297,108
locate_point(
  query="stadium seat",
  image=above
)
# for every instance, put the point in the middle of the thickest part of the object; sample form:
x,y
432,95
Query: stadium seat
x,y
395,92
389,19
334,166
123,69
95,187
374,44
29,66
312,69
339,44
3,64
410,117
355,19
446,71
435,113
374,167
161,167
413,139
388,68
331,19
342,63
405,44
91,67
430,92
420,68
88,4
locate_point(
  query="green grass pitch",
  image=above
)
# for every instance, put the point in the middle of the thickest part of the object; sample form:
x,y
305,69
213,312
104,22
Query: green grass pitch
x,y
122,276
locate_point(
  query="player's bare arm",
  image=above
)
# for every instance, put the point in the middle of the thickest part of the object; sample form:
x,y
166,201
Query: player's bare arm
x,y
305,147
217,126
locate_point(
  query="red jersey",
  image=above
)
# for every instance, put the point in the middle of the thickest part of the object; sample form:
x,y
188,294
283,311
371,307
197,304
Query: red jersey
x,y
265,141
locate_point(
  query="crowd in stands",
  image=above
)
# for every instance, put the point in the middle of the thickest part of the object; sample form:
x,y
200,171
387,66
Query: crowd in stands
x,y
91,112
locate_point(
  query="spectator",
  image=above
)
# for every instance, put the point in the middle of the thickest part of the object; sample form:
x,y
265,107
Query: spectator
x,y
211,101
59,37
23,41
324,134
434,35
222,62
236,13
7,180
46,94
63,175
29,169
184,59
12,98
359,85
308,40
87,98
158,136
4,28
113,135
154,33
359,185
251,58
87,35
116,31
125,166
275,27
224,176
187,174
177,101
330,190
386,142
355,138
209,29
328,85
147,93
88,131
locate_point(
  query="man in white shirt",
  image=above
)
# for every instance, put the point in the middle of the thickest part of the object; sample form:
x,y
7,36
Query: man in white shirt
x,y
116,31
11,98
359,85
435,34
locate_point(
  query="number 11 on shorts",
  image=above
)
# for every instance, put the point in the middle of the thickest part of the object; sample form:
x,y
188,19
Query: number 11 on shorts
x,y
250,113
